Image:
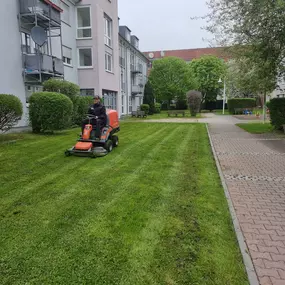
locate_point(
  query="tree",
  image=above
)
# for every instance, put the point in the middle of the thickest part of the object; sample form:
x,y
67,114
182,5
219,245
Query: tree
x,y
194,99
148,94
170,79
253,29
208,70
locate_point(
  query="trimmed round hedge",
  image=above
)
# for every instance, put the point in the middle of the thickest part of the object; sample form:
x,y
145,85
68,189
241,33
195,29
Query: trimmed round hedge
x,y
50,111
11,111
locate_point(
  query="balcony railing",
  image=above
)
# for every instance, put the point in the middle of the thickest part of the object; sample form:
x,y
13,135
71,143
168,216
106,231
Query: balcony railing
x,y
45,11
136,89
136,68
42,64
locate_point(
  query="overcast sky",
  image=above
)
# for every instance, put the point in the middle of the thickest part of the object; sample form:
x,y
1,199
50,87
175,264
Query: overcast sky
x,y
165,24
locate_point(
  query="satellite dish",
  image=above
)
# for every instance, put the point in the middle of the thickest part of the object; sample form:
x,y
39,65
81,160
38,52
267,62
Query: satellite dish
x,y
39,35
151,55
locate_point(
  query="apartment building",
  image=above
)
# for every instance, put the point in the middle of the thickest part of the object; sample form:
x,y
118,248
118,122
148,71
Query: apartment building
x,y
133,71
81,46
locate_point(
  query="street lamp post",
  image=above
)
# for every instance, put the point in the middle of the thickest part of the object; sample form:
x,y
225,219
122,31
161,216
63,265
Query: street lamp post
x,y
224,95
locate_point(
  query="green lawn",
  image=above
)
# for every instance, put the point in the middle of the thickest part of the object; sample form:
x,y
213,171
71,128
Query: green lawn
x,y
164,115
220,112
151,212
257,128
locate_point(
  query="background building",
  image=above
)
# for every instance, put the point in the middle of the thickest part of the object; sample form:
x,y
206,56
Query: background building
x,y
82,46
133,69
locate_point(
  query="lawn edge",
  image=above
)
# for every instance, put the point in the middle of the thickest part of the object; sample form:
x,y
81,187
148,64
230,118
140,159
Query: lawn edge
x,y
251,273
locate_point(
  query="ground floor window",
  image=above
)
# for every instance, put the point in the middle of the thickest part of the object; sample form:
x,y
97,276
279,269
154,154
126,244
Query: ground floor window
x,y
123,104
87,92
130,104
110,99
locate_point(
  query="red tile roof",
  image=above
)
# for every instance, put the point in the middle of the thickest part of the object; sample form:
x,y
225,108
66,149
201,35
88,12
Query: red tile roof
x,y
188,54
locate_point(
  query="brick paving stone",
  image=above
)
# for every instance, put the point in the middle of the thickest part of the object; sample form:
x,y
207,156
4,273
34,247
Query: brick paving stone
x,y
254,170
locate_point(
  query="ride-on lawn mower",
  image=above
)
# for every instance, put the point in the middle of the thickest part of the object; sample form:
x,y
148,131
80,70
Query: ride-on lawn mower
x,y
89,145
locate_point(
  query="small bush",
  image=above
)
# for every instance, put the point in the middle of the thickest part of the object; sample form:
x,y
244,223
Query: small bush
x,y
145,107
11,111
157,107
50,111
81,105
194,99
277,112
181,104
64,87
236,103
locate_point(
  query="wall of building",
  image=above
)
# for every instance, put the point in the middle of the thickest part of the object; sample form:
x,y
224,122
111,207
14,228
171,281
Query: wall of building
x,y
11,79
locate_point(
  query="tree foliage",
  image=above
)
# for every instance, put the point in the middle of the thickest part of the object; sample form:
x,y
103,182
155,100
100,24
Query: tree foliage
x,y
208,70
254,29
171,78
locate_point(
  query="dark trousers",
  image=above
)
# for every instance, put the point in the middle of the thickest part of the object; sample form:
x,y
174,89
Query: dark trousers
x,y
97,124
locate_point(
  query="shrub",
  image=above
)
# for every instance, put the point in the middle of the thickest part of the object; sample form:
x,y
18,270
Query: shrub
x,y
157,107
80,106
194,99
181,104
64,87
277,112
145,107
11,111
240,103
50,111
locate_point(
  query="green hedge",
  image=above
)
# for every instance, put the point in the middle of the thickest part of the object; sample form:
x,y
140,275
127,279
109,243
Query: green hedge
x,y
277,112
81,105
240,103
145,107
11,111
181,104
157,107
64,87
50,111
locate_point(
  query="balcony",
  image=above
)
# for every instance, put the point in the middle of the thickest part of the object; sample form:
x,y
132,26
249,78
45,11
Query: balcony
x,y
136,68
136,89
42,12
39,67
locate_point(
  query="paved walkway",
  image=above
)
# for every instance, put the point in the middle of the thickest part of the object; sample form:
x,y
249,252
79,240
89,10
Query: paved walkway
x,y
254,169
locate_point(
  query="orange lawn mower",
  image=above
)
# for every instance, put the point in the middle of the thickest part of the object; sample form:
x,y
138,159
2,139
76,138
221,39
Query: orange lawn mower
x,y
89,145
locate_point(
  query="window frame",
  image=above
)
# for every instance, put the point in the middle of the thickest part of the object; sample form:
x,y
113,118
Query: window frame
x,y
83,28
106,65
78,55
108,27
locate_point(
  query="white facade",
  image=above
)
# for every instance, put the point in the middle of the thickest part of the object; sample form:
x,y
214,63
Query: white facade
x,y
133,66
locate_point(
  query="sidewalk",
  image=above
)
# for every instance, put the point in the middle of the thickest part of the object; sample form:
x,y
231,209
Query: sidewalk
x,y
254,170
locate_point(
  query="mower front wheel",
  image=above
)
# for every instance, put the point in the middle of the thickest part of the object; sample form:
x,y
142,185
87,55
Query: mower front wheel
x,y
109,146
115,141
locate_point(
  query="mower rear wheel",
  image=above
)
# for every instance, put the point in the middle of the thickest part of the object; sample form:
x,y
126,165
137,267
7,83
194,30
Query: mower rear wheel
x,y
115,141
108,145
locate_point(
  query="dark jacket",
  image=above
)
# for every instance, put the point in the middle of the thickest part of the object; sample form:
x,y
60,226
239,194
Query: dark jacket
x,y
99,110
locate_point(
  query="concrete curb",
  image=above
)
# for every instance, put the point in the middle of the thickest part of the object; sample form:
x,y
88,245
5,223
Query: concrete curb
x,y
252,276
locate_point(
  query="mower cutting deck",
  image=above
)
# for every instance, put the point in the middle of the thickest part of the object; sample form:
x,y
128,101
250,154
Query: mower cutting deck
x,y
90,146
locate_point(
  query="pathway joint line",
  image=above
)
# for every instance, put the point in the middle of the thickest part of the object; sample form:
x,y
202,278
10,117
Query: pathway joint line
x,y
251,273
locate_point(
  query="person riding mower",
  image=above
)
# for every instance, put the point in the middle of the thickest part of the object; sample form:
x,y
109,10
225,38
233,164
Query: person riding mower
x,y
97,139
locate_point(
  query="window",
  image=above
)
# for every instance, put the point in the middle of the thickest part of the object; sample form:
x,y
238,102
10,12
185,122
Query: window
x,y
83,22
123,104
123,81
66,13
110,99
108,31
85,57
130,105
67,55
87,92
108,62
